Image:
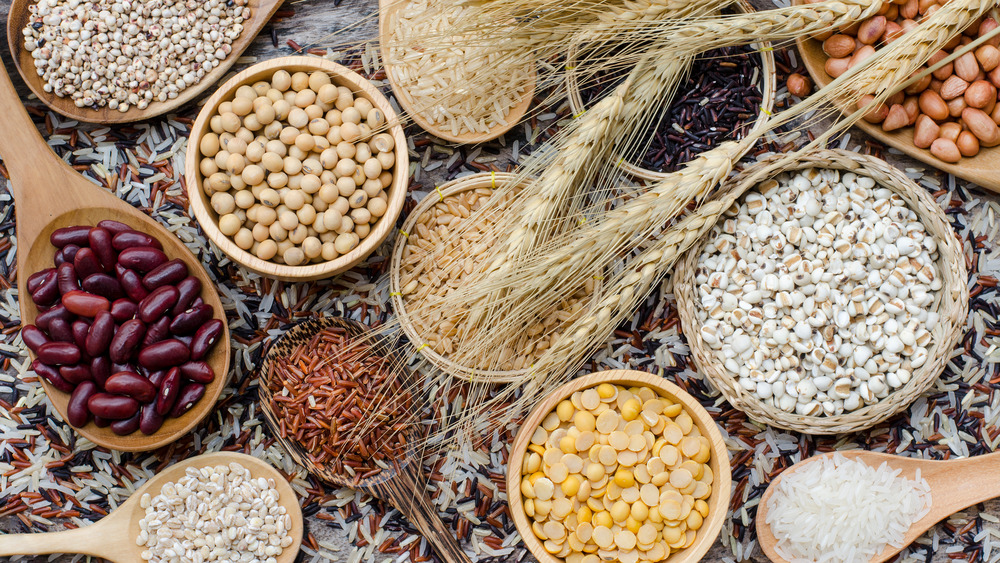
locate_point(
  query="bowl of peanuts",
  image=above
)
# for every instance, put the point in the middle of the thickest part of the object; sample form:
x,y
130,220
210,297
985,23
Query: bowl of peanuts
x,y
618,465
297,168
948,119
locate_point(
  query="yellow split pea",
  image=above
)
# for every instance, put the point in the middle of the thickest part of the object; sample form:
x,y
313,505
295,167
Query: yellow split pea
x,y
616,474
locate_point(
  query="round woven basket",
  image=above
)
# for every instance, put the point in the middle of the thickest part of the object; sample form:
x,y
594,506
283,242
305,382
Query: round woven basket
x,y
952,302
768,81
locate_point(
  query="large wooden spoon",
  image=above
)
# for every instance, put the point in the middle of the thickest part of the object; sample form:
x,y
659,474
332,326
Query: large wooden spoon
x,y
48,195
260,13
955,484
114,536
413,109
404,489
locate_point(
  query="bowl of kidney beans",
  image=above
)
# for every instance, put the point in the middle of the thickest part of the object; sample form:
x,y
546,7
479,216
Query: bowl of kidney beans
x,y
124,330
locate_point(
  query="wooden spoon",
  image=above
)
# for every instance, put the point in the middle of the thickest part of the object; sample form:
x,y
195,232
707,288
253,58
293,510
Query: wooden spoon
x,y
114,536
955,484
415,112
48,195
260,13
405,489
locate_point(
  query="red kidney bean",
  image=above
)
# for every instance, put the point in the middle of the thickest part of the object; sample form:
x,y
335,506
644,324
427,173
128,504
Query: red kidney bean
x,y
188,288
191,320
206,336
157,377
189,395
134,239
150,420
61,331
35,280
103,285
59,353
114,227
142,258
66,276
46,291
126,426
100,369
58,259
80,330
157,331
101,422
132,285
33,337
101,332
116,367
113,407
70,235
77,410
123,309
164,354
132,385
85,304
45,317
169,273
170,388
157,303
100,243
51,375
199,372
86,263
76,374
186,340
126,340
69,252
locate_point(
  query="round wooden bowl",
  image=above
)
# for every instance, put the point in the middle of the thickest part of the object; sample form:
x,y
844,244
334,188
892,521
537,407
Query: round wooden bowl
x,y
768,83
209,220
952,302
718,501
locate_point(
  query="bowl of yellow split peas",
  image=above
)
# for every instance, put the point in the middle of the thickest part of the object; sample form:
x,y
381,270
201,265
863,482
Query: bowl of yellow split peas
x,y
619,466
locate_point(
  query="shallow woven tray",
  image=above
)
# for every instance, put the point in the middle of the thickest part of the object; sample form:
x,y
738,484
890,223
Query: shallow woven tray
x,y
952,302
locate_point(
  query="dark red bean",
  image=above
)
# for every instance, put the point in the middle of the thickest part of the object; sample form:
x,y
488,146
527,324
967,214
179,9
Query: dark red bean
x,y
66,275
123,309
80,330
170,388
157,303
46,291
127,426
166,274
58,312
101,422
69,252
85,304
114,227
61,331
126,340
188,288
189,395
186,340
100,243
51,375
103,285
58,259
69,235
100,334
157,331
35,280
60,353
199,372
113,407
86,263
77,410
132,284
150,420
164,354
132,385
191,320
100,369
134,239
142,258
33,337
127,366
157,377
76,374
198,301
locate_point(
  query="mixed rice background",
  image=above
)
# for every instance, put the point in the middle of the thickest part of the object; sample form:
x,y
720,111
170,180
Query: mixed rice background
x,y
50,478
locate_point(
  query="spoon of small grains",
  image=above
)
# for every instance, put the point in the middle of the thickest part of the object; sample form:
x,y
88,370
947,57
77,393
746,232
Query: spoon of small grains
x,y
865,506
251,514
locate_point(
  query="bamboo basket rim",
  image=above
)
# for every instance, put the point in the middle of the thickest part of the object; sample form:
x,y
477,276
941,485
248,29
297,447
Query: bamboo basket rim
x,y
769,79
952,302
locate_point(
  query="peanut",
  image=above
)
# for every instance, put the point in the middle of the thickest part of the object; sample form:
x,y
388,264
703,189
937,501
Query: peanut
x,y
891,14
910,9
981,125
944,72
835,67
860,55
892,31
924,5
932,105
876,114
994,77
950,131
924,132
798,85
980,93
919,86
895,119
967,144
953,87
967,67
912,107
988,57
946,150
838,46
986,26
871,30
995,114
956,106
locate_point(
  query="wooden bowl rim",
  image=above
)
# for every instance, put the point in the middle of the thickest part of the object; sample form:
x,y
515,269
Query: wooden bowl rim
x,y
718,501
205,215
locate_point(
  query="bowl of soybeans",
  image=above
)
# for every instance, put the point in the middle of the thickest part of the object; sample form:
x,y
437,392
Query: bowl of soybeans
x,y
618,465
297,168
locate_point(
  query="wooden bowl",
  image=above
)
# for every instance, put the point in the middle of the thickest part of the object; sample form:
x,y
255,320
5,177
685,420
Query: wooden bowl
x,y
768,82
718,501
982,169
952,302
260,13
209,220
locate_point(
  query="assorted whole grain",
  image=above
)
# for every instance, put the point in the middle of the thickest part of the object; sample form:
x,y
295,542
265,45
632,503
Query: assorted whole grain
x,y
297,168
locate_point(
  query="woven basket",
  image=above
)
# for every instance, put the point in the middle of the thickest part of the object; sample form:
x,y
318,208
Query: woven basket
x,y
768,81
952,302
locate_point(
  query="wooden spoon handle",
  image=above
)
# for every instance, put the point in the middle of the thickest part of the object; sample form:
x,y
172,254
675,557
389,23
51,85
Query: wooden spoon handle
x,y
407,493
978,482
20,141
87,540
